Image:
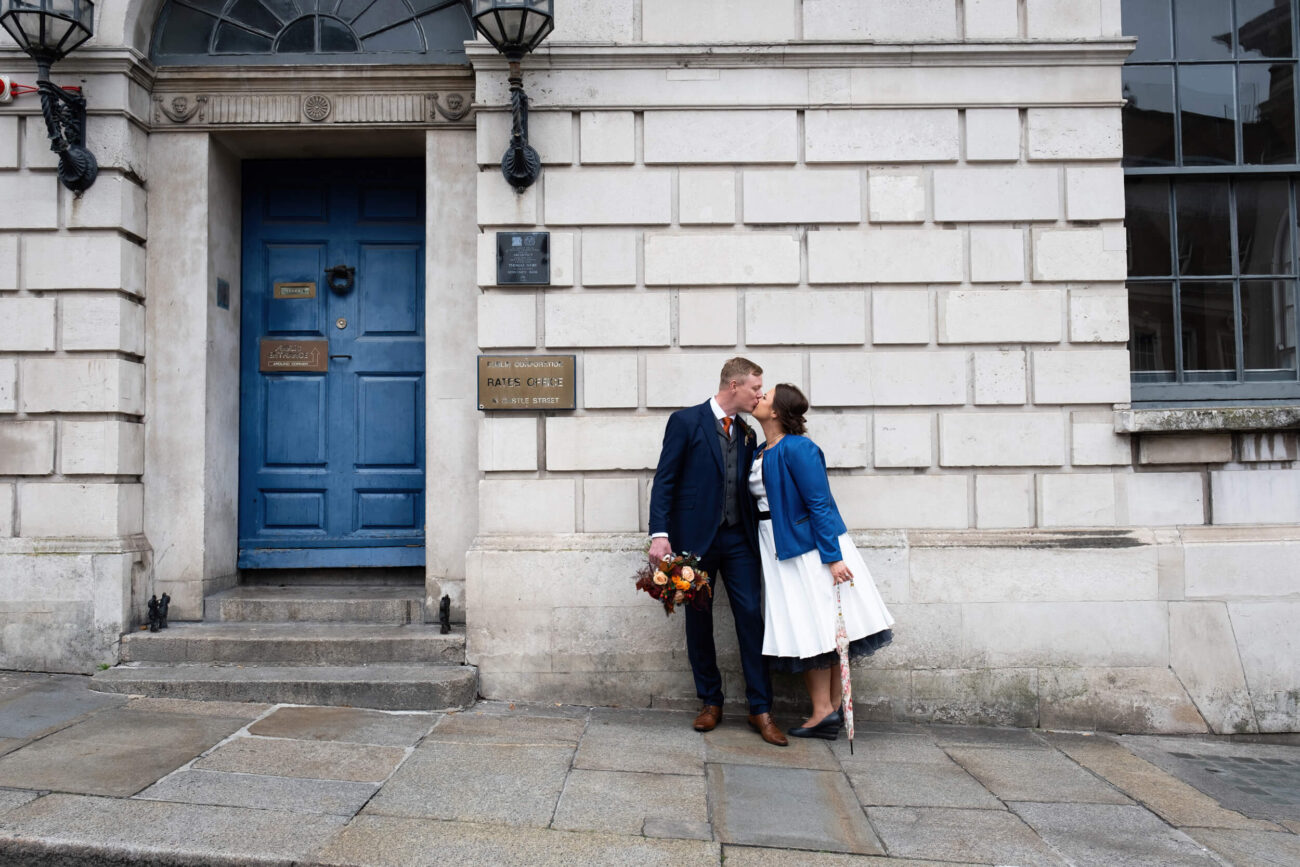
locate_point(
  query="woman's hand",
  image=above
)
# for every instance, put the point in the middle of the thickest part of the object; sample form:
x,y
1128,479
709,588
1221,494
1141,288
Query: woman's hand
x,y
840,572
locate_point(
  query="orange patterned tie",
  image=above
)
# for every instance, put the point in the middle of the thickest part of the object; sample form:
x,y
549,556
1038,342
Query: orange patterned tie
x,y
726,425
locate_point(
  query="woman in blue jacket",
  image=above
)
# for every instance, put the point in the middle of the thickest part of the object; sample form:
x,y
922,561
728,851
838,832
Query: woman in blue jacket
x,y
806,551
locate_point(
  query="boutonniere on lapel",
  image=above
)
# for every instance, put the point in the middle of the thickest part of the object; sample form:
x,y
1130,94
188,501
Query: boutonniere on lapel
x,y
748,431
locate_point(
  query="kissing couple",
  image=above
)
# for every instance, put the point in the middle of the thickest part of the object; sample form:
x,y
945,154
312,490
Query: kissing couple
x,y
757,511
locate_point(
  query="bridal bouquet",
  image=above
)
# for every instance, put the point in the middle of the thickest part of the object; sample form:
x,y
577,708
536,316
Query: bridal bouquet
x,y
677,580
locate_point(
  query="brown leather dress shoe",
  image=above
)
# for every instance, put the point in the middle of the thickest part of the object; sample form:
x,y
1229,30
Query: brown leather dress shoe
x,y
762,723
709,718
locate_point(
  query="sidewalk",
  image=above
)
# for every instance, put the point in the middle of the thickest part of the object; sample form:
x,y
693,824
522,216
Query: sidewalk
x,y
91,778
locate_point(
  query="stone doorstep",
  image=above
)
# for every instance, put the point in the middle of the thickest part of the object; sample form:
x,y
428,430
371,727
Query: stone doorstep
x,y
301,643
316,604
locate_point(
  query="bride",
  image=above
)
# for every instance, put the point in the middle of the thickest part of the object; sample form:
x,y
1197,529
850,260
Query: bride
x,y
805,552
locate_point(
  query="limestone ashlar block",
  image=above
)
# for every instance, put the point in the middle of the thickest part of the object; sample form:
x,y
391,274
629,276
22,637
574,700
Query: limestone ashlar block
x,y
609,197
550,132
1066,634
28,324
8,262
881,135
607,319
1257,447
903,501
108,322
526,506
721,136
608,137
83,260
1000,377
792,196
507,319
6,510
901,317
1098,315
36,197
844,437
1001,316
594,21
992,19
708,318
688,21
609,258
8,385
817,317
706,196
9,142
1255,496
997,255
1185,449
116,141
1269,646
1082,255
82,385
881,20
1032,574
1097,444
500,205
715,259
1004,501
996,195
896,197
886,256
675,380
507,442
1163,499
902,439
1076,500
609,381
926,637
1069,19
1081,376
1235,568
113,202
94,511
992,134
1203,654
604,442
1003,439
922,378
1135,699
26,448
101,448
1094,193
1074,133
610,506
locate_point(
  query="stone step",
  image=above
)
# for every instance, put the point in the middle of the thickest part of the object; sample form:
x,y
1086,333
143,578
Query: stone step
x,y
382,687
316,604
296,644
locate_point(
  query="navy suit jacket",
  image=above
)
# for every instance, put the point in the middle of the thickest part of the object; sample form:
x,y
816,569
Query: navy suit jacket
x,y
804,514
686,500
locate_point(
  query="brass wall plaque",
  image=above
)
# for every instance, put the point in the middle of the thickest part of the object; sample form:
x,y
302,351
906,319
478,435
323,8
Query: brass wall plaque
x,y
295,290
294,356
526,382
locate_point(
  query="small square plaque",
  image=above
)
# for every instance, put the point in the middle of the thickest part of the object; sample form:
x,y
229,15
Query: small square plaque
x,y
523,258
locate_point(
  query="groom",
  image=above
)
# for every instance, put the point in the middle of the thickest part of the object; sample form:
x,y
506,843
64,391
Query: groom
x,y
701,503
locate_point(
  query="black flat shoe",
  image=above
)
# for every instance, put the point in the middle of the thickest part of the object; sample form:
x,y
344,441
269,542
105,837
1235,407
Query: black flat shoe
x,y
828,729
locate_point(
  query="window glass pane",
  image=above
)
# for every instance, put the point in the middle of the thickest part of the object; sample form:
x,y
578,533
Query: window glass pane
x,y
404,37
1209,330
298,38
1264,227
1264,28
1147,221
1151,329
1267,112
186,31
1149,116
381,14
1203,29
349,9
336,37
233,40
252,14
1204,227
1206,100
285,10
1268,324
1150,22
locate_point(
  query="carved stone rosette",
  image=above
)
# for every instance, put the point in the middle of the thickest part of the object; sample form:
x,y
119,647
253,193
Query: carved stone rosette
x,y
230,109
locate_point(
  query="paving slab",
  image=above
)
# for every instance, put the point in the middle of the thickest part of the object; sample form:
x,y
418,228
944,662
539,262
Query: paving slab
x,y
510,728
260,792
1250,847
314,760
93,830
979,736
1292,826
115,752
620,803
41,703
1110,834
918,784
1261,781
677,829
1035,775
353,725
647,741
979,836
889,747
788,807
234,709
10,798
386,841
750,856
506,784
740,745
554,710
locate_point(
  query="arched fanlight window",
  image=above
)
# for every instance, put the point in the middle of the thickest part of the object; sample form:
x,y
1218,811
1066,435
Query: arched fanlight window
x,y
204,32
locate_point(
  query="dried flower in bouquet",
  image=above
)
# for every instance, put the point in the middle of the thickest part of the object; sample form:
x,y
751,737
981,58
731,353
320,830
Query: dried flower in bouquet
x,y
677,580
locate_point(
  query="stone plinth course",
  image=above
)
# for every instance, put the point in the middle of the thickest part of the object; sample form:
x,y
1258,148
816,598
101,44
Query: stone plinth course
x,y
95,778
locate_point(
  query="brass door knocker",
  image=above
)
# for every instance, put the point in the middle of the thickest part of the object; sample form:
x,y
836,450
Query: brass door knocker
x,y
341,278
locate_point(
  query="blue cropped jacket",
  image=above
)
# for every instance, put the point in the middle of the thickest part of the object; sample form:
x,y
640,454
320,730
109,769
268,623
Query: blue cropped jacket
x,y
804,515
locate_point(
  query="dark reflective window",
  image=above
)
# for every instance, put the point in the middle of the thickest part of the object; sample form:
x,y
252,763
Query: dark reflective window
x,y
1147,222
1209,330
237,40
336,36
1266,107
254,15
1264,226
1207,114
1151,22
1203,29
1263,28
299,36
1204,227
1149,116
191,32
1151,330
1267,331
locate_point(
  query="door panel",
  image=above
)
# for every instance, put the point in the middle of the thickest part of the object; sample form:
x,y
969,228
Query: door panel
x,y
332,463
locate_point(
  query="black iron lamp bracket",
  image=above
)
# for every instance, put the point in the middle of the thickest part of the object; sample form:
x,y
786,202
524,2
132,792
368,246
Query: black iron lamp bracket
x,y
521,164
65,122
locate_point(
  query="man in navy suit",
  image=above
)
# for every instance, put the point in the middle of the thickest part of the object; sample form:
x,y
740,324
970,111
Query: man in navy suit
x,y
701,503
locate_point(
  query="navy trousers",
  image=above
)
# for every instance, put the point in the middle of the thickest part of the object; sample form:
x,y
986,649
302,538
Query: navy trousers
x,y
732,559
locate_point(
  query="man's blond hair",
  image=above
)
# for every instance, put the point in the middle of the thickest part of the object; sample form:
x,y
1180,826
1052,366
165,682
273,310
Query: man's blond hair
x,y
738,369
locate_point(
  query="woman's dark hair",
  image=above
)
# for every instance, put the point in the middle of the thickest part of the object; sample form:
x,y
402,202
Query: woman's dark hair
x,y
789,404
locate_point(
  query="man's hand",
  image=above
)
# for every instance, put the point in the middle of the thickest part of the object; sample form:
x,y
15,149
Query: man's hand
x,y
659,549
840,572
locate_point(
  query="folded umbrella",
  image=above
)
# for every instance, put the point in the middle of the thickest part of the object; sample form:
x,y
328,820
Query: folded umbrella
x,y
846,682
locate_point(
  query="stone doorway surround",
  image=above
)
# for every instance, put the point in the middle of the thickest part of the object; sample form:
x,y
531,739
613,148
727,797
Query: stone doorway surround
x,y
203,123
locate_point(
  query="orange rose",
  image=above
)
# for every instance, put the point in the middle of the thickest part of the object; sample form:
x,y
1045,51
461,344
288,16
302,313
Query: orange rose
x,y
660,578
688,574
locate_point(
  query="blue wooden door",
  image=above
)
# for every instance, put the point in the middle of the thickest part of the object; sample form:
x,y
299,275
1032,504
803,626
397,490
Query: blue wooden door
x,y
332,462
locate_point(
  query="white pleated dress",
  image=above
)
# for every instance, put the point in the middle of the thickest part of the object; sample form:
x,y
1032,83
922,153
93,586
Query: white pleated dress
x,y
799,601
